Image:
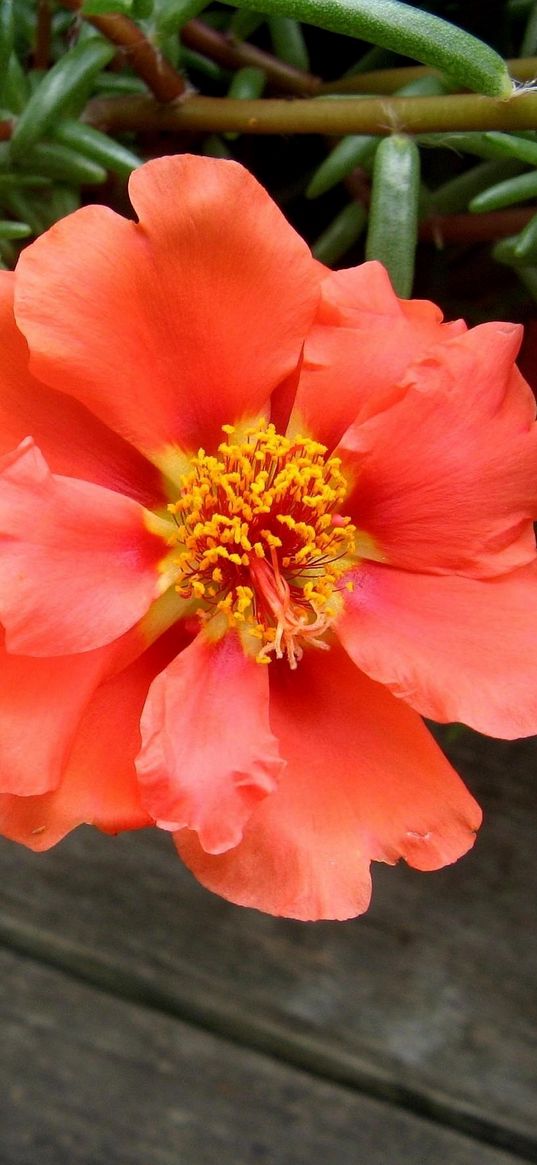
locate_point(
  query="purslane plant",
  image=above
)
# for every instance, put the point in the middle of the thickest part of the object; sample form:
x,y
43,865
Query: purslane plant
x,y
253,525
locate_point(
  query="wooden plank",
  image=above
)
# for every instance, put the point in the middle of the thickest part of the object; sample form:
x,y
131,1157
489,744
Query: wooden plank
x,y
85,1079
431,998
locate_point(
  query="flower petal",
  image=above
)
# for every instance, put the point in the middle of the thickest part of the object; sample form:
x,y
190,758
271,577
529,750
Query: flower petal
x,y
208,755
365,780
446,480
99,784
77,568
359,349
168,328
456,649
73,441
41,703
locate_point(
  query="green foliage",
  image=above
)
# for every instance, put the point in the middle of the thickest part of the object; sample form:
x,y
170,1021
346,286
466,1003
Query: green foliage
x,y
405,30
64,86
359,149
506,193
63,164
393,219
169,16
352,151
7,35
9,229
96,146
288,42
101,7
454,196
136,9
247,83
341,234
525,246
365,193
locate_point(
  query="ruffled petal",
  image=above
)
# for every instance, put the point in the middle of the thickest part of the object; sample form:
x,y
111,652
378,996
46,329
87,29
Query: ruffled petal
x,y
446,480
173,326
359,349
208,756
456,649
99,784
77,566
364,780
74,442
41,704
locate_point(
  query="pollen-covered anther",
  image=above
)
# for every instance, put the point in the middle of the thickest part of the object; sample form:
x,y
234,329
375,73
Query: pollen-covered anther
x,y
262,543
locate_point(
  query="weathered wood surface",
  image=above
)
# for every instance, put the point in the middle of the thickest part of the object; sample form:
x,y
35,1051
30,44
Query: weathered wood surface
x,y
430,1000
86,1079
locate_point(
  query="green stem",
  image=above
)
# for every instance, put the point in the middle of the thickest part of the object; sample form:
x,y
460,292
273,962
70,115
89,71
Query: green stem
x,y
332,116
388,80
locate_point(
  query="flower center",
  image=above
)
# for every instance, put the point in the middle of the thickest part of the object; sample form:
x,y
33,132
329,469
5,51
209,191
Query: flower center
x,y
262,545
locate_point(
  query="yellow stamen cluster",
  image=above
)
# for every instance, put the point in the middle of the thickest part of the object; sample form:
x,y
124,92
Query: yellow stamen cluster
x,y
261,542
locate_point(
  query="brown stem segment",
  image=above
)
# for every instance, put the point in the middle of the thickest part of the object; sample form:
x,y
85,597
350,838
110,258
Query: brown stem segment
x,y
165,83
234,54
474,228
43,34
382,116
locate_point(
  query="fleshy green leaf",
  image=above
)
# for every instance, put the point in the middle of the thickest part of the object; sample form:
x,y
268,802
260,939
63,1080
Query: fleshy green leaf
x,y
97,146
508,145
16,181
61,201
359,149
14,230
119,84
54,160
170,15
506,193
215,147
103,7
58,89
15,86
393,218
195,62
529,40
22,204
406,30
243,24
503,252
7,33
342,233
352,151
475,143
288,42
247,83
525,247
455,194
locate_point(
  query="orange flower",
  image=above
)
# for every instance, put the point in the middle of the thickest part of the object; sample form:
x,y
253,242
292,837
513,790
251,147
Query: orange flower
x,y
255,517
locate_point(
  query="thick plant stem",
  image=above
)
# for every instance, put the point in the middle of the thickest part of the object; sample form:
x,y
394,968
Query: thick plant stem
x,y
382,116
165,83
388,80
